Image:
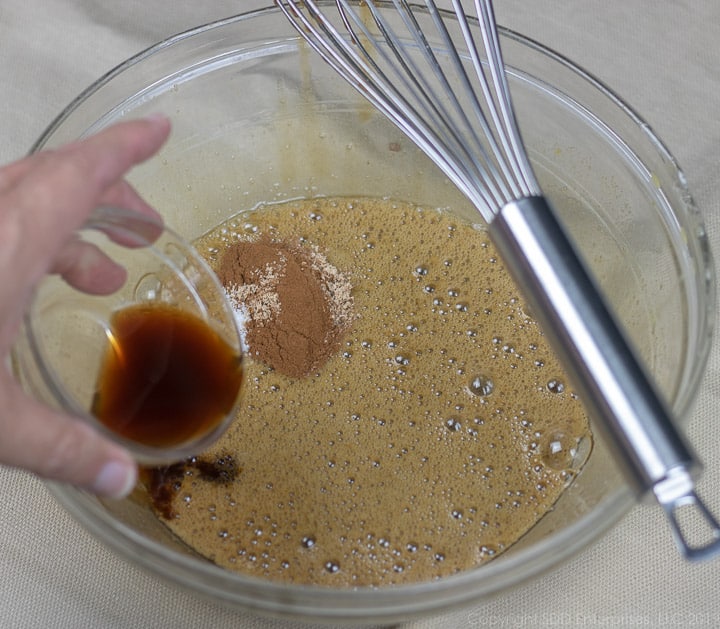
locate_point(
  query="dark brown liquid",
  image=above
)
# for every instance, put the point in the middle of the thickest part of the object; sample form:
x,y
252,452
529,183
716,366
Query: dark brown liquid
x,y
163,483
167,376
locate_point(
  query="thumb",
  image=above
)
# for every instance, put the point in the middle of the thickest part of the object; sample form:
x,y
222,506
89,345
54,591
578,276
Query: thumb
x,y
58,447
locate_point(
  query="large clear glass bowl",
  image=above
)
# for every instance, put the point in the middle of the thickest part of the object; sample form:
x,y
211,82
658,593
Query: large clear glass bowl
x,y
259,117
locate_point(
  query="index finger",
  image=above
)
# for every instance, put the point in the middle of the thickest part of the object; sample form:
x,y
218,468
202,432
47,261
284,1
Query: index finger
x,y
58,189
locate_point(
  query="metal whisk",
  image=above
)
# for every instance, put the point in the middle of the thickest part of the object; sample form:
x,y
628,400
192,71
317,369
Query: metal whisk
x,y
454,103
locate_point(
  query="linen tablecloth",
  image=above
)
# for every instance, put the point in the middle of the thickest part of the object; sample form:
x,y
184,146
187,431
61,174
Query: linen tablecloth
x,y
660,56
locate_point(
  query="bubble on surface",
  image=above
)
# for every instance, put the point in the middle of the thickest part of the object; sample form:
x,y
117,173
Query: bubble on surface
x,y
332,567
558,450
481,386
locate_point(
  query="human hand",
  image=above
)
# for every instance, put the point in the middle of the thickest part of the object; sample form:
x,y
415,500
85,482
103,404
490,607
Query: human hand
x,y
44,199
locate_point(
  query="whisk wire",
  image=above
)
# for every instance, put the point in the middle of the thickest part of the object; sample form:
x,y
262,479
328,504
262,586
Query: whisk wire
x,y
326,40
389,80
470,157
497,132
514,148
493,170
428,95
475,140
405,70
480,155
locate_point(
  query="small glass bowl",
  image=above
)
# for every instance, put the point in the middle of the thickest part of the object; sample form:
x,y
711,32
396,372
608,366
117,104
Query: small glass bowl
x,y
69,333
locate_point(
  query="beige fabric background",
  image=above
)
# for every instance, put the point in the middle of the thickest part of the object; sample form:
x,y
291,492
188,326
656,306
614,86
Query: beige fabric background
x,y
661,56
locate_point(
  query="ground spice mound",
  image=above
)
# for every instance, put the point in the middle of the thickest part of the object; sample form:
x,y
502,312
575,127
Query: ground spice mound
x,y
294,305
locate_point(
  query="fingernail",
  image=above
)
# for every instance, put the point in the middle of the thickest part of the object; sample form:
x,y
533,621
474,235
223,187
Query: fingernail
x,y
115,480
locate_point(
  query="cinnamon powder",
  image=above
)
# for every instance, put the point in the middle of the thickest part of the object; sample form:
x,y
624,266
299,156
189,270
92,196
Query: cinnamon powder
x,y
295,306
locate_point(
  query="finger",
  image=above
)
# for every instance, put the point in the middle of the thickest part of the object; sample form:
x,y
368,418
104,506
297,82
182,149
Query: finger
x,y
120,194
11,174
130,229
56,197
123,195
109,154
58,447
84,266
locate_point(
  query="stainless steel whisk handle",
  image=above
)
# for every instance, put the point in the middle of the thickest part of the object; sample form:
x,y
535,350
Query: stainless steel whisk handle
x,y
609,378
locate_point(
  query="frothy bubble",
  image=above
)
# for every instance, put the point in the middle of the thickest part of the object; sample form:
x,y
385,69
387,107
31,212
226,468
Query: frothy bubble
x,y
332,567
559,450
481,386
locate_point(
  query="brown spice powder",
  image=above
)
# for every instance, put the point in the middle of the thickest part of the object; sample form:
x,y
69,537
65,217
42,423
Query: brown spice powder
x,y
296,305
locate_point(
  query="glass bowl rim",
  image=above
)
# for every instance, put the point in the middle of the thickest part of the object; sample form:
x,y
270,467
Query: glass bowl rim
x,y
413,599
